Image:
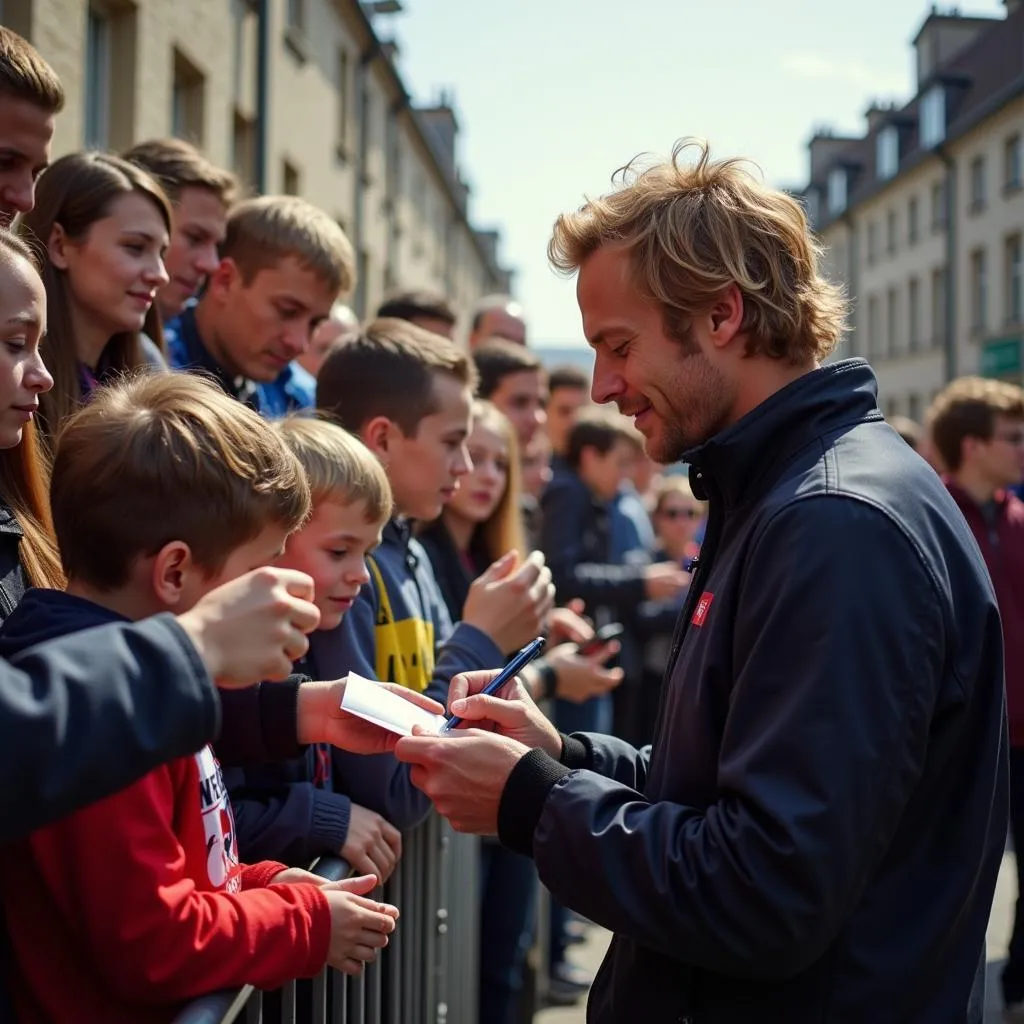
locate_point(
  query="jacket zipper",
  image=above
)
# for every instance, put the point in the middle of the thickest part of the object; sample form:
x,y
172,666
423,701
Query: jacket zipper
x,y
701,570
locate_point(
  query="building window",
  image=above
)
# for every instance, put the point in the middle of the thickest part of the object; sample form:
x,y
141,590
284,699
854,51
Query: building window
x,y
837,190
243,149
938,306
977,184
295,15
290,179
874,327
892,320
933,117
938,205
913,224
1012,164
1014,281
97,80
109,76
344,98
979,290
872,243
187,100
890,232
887,152
913,314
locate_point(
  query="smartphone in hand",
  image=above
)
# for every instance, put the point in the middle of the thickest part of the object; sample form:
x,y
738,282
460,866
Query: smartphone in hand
x,y
601,636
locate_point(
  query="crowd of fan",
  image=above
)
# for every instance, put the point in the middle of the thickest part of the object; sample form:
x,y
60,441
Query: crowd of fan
x,y
449,497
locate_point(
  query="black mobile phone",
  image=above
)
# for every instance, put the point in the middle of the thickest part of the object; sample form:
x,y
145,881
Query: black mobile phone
x,y
601,636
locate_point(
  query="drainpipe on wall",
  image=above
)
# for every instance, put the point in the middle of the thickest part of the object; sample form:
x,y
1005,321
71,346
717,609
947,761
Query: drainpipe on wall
x,y
950,361
392,184
262,96
359,175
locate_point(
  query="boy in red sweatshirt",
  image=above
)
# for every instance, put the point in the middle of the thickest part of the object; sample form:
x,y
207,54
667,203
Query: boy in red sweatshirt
x,y
164,488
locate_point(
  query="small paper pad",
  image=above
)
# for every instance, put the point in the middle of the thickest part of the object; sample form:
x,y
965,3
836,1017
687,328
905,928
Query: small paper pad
x,y
375,703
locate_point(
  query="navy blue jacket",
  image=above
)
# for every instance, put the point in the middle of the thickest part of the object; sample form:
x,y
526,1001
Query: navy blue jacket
x,y
817,832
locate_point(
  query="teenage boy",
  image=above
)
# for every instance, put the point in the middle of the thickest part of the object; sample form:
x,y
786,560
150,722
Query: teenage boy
x,y
138,902
200,195
398,629
289,811
416,424
283,265
977,427
513,378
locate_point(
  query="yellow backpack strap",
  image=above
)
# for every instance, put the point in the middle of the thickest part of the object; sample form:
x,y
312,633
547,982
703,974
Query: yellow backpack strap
x,y
384,612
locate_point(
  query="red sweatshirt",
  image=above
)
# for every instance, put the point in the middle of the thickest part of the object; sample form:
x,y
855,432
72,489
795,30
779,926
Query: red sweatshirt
x,y
136,904
1002,547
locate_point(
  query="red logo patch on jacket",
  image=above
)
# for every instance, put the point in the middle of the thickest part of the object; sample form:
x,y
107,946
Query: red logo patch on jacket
x,y
700,613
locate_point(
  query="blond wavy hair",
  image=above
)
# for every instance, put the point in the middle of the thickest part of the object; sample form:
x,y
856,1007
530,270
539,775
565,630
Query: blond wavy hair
x,y
694,228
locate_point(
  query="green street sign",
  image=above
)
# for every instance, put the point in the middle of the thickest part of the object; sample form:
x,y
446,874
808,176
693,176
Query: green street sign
x,y
1000,357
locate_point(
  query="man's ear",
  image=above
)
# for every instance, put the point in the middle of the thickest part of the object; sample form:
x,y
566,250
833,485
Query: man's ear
x,y
172,572
56,247
224,277
726,316
379,435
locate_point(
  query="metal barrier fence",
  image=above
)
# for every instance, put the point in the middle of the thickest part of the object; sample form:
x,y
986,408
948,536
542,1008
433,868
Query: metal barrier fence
x,y
426,975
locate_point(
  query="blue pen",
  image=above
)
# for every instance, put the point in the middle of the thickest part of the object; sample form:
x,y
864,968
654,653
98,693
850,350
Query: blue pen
x,y
516,665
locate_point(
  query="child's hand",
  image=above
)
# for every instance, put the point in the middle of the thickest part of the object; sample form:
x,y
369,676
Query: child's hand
x,y
372,845
359,926
321,720
297,876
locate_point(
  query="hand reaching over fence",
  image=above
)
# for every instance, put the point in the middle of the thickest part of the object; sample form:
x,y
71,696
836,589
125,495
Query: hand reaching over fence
x,y
372,845
359,926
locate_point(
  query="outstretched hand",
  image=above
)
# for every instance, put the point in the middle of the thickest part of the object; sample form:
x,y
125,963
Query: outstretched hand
x,y
322,720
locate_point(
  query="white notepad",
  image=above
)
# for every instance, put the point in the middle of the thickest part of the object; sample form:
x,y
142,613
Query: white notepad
x,y
375,703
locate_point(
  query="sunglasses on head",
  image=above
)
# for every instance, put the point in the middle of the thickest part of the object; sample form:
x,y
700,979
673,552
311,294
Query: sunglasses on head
x,y
680,513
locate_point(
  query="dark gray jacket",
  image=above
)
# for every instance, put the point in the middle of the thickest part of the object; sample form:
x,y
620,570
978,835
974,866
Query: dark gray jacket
x,y
817,833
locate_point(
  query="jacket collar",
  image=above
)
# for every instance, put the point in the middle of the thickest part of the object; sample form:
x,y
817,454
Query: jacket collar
x,y
738,463
9,521
199,356
397,530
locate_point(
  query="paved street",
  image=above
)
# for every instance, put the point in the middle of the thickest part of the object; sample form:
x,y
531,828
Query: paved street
x,y
589,954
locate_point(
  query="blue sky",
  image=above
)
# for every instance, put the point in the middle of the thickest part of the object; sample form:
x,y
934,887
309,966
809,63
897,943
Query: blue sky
x,y
553,95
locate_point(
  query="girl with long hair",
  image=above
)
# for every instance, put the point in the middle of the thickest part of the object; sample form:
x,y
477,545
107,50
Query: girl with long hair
x,y
28,551
103,224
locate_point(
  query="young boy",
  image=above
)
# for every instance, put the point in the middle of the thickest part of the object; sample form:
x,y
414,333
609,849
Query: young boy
x,y
408,394
287,811
283,265
123,910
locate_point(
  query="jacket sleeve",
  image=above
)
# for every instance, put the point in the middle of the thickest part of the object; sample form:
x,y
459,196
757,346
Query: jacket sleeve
x,y
116,872
608,756
259,723
140,689
290,821
565,509
839,647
